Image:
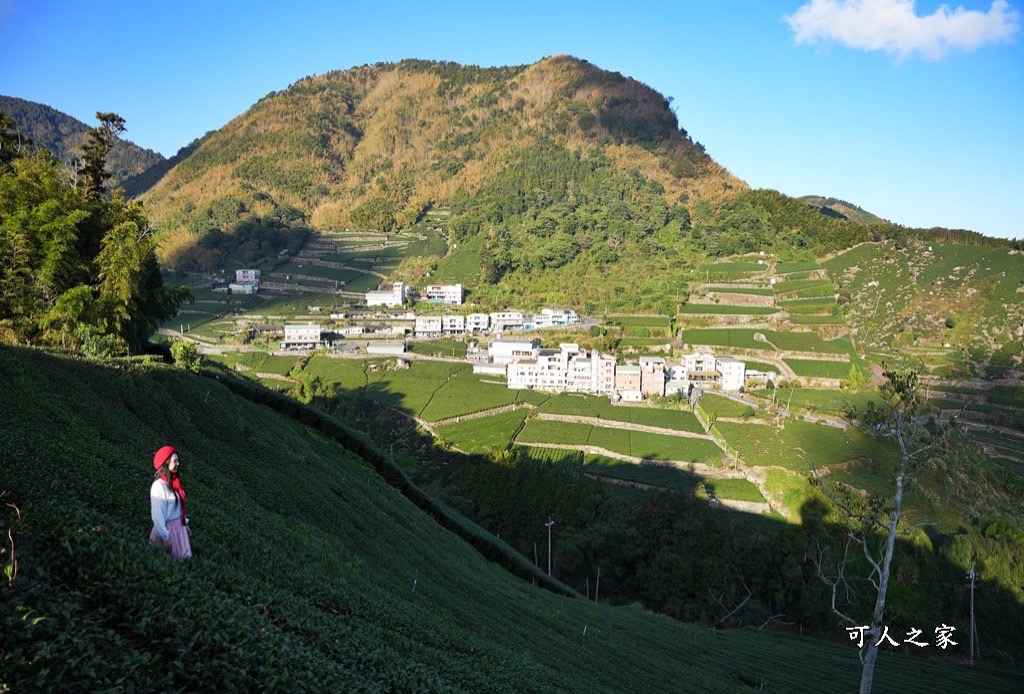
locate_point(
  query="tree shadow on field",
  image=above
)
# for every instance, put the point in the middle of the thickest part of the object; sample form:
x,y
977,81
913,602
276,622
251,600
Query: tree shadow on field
x,y
928,586
672,552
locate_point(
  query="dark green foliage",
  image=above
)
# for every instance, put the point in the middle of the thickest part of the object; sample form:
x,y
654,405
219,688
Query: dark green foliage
x,y
185,355
142,181
61,134
253,242
304,563
551,206
13,143
70,256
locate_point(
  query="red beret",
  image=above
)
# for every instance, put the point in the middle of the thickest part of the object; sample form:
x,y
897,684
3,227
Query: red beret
x,y
161,456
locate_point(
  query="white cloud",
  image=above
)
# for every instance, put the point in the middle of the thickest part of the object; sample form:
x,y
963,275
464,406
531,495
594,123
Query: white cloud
x,y
895,27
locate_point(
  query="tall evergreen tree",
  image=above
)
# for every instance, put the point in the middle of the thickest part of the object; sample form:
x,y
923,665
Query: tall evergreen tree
x,y
75,262
95,150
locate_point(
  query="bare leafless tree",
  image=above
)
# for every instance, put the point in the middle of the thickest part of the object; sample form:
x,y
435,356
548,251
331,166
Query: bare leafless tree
x,y
873,523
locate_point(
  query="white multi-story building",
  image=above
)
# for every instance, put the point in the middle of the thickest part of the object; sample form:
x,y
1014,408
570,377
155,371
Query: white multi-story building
x,y
555,317
247,277
733,373
506,320
444,294
591,374
301,335
428,326
453,325
548,371
395,296
478,322
504,351
564,369
703,369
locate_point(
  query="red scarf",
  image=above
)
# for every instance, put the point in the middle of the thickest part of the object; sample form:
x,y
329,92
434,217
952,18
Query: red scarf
x,y
179,491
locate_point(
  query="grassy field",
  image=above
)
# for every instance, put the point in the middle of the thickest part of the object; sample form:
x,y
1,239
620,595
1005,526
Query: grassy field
x,y
926,294
462,265
722,406
600,407
413,388
639,321
821,400
800,446
818,309
755,291
819,369
816,320
656,474
791,488
439,348
809,342
801,286
727,310
481,435
812,301
787,266
663,447
737,489
464,393
1004,441
733,267
566,433
723,337
637,444
642,342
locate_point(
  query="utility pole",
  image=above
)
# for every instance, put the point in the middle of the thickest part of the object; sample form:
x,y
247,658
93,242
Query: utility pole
x,y
973,654
549,524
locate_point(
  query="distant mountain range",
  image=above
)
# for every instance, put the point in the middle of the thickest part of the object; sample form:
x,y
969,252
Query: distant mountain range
x,y
61,134
840,209
554,178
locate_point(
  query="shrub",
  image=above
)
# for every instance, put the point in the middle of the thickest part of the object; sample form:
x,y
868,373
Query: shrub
x,y
185,355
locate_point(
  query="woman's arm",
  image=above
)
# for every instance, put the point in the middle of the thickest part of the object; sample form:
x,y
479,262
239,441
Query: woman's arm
x,y
159,510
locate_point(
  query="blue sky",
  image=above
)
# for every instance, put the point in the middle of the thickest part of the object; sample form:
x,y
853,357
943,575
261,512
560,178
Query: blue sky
x,y
908,108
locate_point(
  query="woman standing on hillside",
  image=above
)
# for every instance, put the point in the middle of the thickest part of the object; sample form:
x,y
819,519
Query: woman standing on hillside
x,y
167,506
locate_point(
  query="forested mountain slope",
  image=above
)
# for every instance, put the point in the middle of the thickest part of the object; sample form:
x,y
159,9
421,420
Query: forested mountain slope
x,y
58,132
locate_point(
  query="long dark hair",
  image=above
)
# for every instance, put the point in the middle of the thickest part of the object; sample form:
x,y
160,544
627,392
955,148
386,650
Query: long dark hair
x,y
164,472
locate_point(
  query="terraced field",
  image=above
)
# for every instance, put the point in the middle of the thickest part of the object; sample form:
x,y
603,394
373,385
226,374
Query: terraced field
x,y
932,295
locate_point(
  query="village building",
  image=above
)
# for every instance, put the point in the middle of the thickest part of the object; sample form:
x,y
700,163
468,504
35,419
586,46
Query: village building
x,y
733,372
478,322
652,376
506,351
452,294
704,370
506,320
427,326
555,318
761,378
247,277
549,370
386,348
591,374
453,325
246,282
396,296
628,380
301,336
